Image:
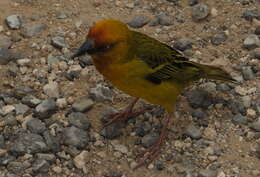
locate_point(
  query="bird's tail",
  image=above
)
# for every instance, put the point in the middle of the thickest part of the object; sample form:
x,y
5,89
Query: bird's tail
x,y
215,73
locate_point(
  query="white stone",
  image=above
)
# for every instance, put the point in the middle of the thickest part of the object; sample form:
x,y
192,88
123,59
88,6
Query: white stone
x,y
61,102
221,174
214,12
81,159
1,28
120,147
57,169
51,89
7,109
23,62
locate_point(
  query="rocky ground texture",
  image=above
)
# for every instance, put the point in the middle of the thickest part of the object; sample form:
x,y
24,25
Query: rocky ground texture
x,y
52,108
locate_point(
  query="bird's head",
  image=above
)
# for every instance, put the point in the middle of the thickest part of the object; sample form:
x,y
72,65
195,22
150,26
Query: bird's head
x,y
103,37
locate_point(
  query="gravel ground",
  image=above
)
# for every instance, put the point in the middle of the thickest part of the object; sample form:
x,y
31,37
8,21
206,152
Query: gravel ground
x,y
52,109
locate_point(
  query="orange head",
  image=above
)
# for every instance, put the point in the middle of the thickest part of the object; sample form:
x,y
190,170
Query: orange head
x,y
103,37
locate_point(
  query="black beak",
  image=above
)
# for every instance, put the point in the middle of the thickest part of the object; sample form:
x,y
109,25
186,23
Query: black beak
x,y
84,49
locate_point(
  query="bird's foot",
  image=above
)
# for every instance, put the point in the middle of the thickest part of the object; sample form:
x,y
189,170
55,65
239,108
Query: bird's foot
x,y
147,156
122,116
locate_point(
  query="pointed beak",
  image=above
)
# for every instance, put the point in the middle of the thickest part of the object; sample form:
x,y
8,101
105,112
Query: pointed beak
x,y
87,46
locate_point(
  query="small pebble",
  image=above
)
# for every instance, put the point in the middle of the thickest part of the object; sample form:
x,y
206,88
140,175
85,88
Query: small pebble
x,y
200,12
251,42
13,21
193,132
139,21
83,104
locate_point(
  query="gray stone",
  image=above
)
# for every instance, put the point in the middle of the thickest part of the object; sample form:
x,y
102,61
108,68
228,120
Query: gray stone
x,y
237,106
207,173
13,21
200,12
250,14
257,106
159,165
85,61
61,16
251,42
46,108
40,166
256,53
193,2
28,143
154,22
199,99
48,157
52,89
72,75
2,141
31,101
139,21
52,59
11,175
247,101
52,142
183,44
101,93
21,108
58,42
112,131
8,55
219,38
256,126
83,104
143,128
223,87
5,42
257,30
22,90
79,120
16,38
5,160
150,139
13,69
18,167
75,137
164,19
193,132
247,72
35,126
239,119
198,113
107,110
10,120
30,30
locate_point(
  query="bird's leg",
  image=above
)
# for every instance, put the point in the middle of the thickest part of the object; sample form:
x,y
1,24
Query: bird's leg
x,y
152,152
125,114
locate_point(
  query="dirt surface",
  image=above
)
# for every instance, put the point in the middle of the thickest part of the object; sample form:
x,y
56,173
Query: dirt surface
x,y
223,148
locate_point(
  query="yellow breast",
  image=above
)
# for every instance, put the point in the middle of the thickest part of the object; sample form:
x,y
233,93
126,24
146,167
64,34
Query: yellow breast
x,y
130,78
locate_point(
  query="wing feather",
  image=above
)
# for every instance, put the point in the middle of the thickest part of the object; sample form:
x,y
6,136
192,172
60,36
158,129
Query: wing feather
x,y
167,63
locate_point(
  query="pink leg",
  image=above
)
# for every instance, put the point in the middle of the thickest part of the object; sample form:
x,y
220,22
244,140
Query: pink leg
x,y
155,149
125,114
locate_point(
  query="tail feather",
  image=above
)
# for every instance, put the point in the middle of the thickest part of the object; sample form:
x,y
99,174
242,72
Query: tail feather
x,y
211,72
216,73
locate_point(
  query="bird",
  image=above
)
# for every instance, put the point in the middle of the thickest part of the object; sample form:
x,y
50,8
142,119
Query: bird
x,y
145,68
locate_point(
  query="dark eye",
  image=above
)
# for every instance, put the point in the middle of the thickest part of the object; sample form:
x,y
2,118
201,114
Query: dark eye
x,y
108,46
101,48
105,48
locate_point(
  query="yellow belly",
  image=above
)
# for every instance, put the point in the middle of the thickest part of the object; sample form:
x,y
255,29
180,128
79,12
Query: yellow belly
x,y
130,78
